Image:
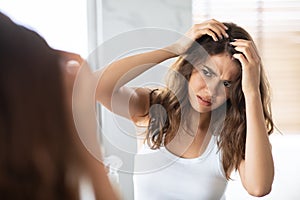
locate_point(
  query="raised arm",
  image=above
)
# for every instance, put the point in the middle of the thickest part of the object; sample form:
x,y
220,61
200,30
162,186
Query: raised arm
x,y
134,103
257,170
111,87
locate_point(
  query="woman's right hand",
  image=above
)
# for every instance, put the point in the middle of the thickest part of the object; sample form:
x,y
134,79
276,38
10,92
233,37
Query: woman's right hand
x,y
212,27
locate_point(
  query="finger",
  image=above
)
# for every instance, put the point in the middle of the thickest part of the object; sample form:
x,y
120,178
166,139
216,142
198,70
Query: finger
x,y
242,42
209,32
218,29
245,43
222,29
221,24
241,58
246,51
247,47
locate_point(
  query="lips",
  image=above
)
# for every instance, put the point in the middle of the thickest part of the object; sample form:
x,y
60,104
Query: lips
x,y
204,101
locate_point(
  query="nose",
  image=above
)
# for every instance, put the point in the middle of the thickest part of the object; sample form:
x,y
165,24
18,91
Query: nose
x,y
210,92
214,88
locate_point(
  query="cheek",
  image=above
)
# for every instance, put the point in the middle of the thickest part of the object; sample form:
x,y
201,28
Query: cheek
x,y
196,82
220,100
192,92
195,85
227,93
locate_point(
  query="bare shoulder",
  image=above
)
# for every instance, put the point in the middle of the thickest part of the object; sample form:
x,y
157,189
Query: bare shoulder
x,y
139,106
70,64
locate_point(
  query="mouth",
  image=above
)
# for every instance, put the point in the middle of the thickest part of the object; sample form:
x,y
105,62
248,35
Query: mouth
x,y
205,102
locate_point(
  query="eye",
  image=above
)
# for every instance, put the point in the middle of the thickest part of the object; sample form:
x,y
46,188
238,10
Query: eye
x,y
227,84
206,73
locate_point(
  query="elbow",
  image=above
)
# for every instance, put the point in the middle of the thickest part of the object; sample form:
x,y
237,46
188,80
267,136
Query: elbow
x,y
260,191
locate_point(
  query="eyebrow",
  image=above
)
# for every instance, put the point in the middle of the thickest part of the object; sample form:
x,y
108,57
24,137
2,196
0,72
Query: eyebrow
x,y
210,70
214,73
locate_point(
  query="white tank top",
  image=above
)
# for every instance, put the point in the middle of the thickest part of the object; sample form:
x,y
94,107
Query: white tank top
x,y
161,175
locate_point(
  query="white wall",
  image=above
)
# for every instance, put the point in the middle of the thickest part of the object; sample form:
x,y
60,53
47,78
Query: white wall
x,y
63,23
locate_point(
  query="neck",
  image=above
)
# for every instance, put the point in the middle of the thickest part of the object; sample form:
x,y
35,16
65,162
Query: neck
x,y
192,139
201,122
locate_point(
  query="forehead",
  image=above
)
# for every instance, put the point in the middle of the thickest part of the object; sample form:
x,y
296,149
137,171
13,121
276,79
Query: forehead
x,y
224,65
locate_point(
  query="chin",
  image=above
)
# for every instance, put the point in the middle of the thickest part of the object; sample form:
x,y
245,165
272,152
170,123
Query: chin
x,y
202,110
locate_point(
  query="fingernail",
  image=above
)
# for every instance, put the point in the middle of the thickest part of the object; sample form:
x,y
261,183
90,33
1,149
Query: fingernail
x,y
226,35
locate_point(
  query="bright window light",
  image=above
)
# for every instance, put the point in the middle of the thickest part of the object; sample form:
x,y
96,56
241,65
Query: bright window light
x,y
62,23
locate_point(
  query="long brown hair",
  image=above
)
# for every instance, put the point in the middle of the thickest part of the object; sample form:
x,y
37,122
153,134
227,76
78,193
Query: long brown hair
x,y
39,157
232,133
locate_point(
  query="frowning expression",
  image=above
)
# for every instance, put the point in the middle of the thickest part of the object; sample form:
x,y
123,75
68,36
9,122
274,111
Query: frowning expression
x,y
211,81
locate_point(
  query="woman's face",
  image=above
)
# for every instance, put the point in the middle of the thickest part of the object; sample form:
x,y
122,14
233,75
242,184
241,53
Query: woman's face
x,y
210,82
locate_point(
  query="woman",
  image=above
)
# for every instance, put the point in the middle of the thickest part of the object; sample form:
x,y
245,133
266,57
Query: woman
x,y
41,155
213,117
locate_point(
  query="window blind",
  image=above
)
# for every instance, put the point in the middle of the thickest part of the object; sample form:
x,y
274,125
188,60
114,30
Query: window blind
x,y
275,27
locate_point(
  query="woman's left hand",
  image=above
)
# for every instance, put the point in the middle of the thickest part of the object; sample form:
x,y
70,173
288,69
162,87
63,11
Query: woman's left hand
x,y
251,62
